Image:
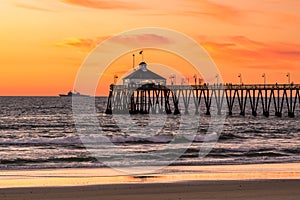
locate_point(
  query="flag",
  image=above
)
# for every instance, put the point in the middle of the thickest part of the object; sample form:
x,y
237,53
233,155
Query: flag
x,y
141,52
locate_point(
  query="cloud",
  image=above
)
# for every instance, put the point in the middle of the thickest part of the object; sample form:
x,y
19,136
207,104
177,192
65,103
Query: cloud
x,y
244,41
284,51
102,4
214,10
87,44
269,15
241,51
237,51
247,46
31,7
82,44
145,38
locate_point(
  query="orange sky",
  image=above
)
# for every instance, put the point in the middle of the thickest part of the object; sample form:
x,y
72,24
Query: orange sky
x,y
43,43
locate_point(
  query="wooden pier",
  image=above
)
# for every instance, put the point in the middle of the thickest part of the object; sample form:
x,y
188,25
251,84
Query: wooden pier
x,y
152,99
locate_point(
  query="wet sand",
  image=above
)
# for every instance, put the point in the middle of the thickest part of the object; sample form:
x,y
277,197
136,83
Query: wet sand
x,y
270,181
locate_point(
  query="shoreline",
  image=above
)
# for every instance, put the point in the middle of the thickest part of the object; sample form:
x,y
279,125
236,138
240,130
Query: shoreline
x,y
248,182
104,176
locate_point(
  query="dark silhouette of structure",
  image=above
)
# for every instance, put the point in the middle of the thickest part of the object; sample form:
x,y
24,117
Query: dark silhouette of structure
x,y
152,98
143,76
145,92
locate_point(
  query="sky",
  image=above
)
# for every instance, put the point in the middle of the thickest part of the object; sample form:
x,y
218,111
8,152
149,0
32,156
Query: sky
x,y
44,43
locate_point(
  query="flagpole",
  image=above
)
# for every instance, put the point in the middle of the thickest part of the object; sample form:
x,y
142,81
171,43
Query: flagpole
x,y
133,62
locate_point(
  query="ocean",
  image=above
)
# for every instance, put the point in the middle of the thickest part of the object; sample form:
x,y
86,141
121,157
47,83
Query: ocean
x,y
40,132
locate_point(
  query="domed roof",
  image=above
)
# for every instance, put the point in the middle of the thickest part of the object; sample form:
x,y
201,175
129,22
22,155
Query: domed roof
x,y
144,73
143,66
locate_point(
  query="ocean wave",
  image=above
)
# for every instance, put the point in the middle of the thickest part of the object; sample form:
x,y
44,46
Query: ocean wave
x,y
35,126
89,139
264,154
133,139
55,160
41,141
229,136
211,137
292,151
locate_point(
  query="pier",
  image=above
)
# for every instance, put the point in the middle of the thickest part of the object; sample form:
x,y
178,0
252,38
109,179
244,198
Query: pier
x,y
272,99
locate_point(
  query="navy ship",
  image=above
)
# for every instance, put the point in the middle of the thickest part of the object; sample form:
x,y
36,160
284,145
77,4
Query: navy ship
x,y
71,94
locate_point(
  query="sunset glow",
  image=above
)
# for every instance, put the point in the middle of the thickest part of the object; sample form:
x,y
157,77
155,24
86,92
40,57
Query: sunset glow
x,y
44,43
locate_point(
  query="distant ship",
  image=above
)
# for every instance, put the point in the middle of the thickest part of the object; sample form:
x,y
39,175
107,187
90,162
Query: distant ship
x,y
71,94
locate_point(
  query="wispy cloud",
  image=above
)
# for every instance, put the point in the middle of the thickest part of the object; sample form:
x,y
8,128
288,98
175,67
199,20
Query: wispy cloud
x,y
80,43
269,14
241,51
31,7
87,44
244,41
271,50
214,10
143,38
102,4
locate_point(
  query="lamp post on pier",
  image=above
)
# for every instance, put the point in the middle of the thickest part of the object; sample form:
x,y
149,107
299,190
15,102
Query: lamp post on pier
x,y
115,79
195,78
289,78
264,76
241,80
173,79
200,81
217,77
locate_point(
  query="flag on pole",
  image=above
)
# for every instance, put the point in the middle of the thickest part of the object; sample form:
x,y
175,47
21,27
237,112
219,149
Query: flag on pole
x,y
141,53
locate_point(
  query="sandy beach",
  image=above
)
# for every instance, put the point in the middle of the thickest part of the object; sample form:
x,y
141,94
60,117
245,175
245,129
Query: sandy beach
x,y
267,181
262,189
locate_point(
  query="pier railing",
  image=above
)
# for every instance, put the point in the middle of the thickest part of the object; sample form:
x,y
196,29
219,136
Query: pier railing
x,y
214,86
